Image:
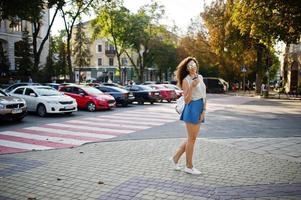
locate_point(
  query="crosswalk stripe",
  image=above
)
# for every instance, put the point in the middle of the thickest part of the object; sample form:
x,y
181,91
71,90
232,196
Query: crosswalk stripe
x,y
144,118
160,112
21,145
91,128
44,138
108,125
4,150
115,120
61,131
137,119
57,134
146,115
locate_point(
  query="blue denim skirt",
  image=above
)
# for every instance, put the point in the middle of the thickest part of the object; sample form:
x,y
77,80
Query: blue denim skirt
x,y
192,112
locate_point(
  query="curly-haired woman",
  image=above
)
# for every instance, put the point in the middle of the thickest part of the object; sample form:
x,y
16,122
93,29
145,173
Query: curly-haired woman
x,y
194,91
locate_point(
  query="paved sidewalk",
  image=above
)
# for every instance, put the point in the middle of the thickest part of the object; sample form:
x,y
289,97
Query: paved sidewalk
x,y
140,170
286,148
272,95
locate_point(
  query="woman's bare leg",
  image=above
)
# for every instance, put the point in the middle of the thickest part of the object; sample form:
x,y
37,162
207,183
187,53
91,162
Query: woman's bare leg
x,y
180,152
193,131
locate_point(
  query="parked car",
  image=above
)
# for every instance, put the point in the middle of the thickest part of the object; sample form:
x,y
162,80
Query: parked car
x,y
143,93
178,91
53,85
113,84
215,85
89,98
12,108
166,94
15,85
45,100
121,96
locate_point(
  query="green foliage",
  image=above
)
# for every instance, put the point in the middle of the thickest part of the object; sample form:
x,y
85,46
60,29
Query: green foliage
x,y
111,23
4,62
24,56
81,51
268,21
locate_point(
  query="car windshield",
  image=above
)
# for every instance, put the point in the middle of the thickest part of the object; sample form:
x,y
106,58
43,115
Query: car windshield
x,y
173,87
92,90
2,94
144,87
47,92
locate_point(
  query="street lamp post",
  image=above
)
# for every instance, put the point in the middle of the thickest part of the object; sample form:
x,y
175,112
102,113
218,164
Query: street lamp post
x,y
244,71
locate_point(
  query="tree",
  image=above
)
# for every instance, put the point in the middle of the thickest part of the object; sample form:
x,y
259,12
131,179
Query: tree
x,y
143,27
24,56
70,13
265,22
37,22
4,62
32,11
111,23
61,49
81,50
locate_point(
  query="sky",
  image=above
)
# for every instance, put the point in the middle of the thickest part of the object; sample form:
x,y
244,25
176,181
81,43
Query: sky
x,y
177,12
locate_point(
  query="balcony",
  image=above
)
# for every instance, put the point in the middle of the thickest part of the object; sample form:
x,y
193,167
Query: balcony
x,y
110,53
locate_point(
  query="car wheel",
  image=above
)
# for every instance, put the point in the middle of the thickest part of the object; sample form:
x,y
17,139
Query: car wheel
x,y
41,110
19,119
124,104
91,107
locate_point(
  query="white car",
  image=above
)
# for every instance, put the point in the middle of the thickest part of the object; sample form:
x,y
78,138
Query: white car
x,y
44,99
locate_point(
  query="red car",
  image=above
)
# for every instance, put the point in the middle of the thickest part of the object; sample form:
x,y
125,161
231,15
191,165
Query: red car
x,y
178,91
89,98
165,93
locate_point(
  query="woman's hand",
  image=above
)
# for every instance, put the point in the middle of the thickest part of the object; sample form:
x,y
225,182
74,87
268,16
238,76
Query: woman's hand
x,y
195,82
202,117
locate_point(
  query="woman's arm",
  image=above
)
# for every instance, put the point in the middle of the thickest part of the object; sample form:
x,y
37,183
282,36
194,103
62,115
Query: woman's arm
x,y
187,90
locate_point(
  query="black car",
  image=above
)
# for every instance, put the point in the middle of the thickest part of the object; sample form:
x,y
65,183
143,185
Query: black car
x,y
215,85
122,96
15,85
143,93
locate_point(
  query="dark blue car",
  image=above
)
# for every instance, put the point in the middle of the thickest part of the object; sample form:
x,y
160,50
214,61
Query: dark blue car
x,y
143,93
122,96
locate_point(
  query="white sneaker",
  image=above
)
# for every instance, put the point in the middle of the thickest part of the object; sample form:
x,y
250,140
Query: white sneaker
x,y
174,165
193,171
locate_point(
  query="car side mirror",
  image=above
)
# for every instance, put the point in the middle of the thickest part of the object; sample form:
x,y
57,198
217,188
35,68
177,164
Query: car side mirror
x,y
32,95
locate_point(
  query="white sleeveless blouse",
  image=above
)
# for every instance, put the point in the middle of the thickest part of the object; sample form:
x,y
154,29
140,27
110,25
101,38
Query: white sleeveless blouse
x,y
199,92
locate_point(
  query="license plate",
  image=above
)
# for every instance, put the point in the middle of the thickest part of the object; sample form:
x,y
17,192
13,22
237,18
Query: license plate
x,y
111,104
156,93
68,107
16,111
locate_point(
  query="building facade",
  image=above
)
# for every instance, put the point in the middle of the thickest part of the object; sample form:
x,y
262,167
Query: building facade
x,y
103,63
291,68
10,35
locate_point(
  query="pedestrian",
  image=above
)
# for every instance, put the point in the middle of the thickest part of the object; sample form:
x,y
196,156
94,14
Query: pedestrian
x,y
11,81
263,89
194,91
29,79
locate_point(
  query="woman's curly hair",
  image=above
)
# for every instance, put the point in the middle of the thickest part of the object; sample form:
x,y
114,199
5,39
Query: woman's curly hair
x,y
182,71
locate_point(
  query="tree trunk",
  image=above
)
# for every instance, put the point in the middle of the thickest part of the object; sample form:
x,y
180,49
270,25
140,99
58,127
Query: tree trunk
x,y
259,68
69,62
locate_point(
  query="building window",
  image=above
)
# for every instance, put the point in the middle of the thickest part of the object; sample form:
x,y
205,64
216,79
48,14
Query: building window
x,y
99,62
99,48
111,61
124,61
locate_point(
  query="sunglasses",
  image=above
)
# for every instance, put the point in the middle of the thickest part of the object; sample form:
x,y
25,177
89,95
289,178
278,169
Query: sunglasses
x,y
191,65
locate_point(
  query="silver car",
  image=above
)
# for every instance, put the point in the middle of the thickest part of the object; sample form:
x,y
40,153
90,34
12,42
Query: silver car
x,y
12,108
